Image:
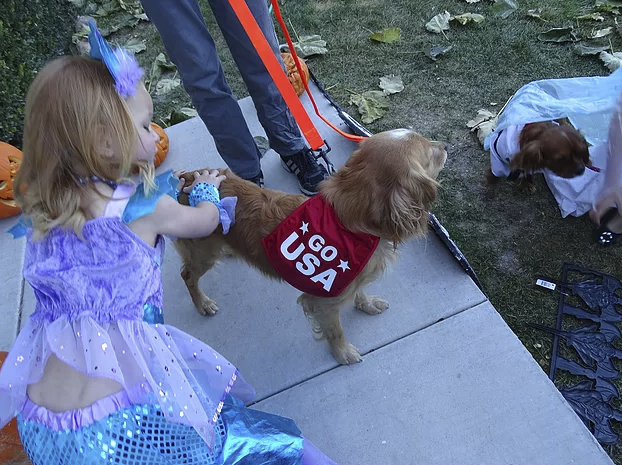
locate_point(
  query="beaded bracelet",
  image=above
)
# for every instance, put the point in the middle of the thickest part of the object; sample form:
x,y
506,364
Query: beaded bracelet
x,y
204,192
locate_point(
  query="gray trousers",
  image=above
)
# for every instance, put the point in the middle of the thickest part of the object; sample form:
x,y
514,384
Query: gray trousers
x,y
190,46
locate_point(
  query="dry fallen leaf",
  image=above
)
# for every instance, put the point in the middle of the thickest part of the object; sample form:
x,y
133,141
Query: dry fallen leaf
x,y
388,35
135,46
160,64
181,115
591,17
391,84
611,60
310,45
467,18
504,8
164,86
483,124
482,115
486,128
106,9
596,34
372,105
437,50
558,35
439,23
262,144
584,49
608,5
537,14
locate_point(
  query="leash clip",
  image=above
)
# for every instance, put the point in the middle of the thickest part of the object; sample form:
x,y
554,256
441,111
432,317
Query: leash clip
x,y
323,154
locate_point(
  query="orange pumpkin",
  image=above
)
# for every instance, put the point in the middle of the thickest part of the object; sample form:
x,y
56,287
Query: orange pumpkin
x,y
292,72
10,158
162,145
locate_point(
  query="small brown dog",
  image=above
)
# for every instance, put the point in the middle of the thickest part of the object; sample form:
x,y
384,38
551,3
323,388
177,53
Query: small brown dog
x,y
384,190
525,150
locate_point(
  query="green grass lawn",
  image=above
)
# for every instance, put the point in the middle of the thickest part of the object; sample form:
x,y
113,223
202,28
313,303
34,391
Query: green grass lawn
x,y
510,238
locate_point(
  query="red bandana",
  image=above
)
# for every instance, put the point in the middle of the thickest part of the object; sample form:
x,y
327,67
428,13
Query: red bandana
x,y
315,253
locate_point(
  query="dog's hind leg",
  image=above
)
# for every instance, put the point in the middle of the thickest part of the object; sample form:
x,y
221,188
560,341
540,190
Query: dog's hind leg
x,y
370,304
198,256
327,325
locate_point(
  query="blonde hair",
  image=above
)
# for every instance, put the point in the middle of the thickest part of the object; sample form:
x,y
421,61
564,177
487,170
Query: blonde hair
x,y
70,106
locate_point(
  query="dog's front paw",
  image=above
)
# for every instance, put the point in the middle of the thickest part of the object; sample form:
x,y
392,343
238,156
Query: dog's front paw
x,y
346,354
207,307
372,304
527,185
491,179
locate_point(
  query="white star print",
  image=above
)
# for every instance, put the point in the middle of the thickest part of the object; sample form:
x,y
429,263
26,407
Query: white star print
x,y
304,228
343,265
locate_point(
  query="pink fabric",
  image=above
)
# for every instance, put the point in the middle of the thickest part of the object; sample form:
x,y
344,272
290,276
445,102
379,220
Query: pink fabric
x,y
76,419
189,379
120,197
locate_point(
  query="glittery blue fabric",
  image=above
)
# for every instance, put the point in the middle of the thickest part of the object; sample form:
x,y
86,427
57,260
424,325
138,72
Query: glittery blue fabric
x,y
141,435
255,437
204,192
153,315
141,204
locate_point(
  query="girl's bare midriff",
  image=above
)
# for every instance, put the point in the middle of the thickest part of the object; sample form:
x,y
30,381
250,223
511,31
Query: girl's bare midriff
x,y
63,388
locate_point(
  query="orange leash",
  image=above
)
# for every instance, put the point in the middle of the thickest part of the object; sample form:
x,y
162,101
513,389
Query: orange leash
x,y
270,61
292,50
273,66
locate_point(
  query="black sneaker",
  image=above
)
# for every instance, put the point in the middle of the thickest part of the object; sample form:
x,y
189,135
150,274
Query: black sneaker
x,y
258,179
307,169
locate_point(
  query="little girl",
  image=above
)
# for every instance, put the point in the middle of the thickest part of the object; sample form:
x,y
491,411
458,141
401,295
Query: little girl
x,y
95,377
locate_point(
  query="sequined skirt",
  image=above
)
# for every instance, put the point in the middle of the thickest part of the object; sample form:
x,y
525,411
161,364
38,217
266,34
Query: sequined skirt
x,y
141,435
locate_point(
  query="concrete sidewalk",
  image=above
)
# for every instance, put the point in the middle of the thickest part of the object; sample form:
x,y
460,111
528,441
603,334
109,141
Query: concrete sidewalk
x,y
443,381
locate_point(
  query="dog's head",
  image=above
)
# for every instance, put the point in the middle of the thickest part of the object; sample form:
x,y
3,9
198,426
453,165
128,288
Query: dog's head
x,y
388,184
559,148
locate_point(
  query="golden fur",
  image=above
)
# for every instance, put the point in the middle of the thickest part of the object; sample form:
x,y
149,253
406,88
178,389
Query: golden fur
x,y
385,189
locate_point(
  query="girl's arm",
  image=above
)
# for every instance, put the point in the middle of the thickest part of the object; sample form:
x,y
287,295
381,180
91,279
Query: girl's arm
x,y
173,219
611,192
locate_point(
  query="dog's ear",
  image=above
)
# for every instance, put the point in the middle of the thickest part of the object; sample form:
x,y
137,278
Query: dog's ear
x,y
386,193
529,159
406,206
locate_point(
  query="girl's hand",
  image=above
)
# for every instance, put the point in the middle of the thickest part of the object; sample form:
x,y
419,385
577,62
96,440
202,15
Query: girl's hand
x,y
210,177
181,183
173,219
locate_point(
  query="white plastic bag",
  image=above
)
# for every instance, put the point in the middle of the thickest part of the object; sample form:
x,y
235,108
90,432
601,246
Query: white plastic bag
x,y
588,103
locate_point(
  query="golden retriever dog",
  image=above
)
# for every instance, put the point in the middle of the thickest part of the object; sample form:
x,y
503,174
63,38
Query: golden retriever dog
x,y
384,189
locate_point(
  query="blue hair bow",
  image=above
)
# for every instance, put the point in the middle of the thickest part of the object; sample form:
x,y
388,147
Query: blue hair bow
x,y
122,65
